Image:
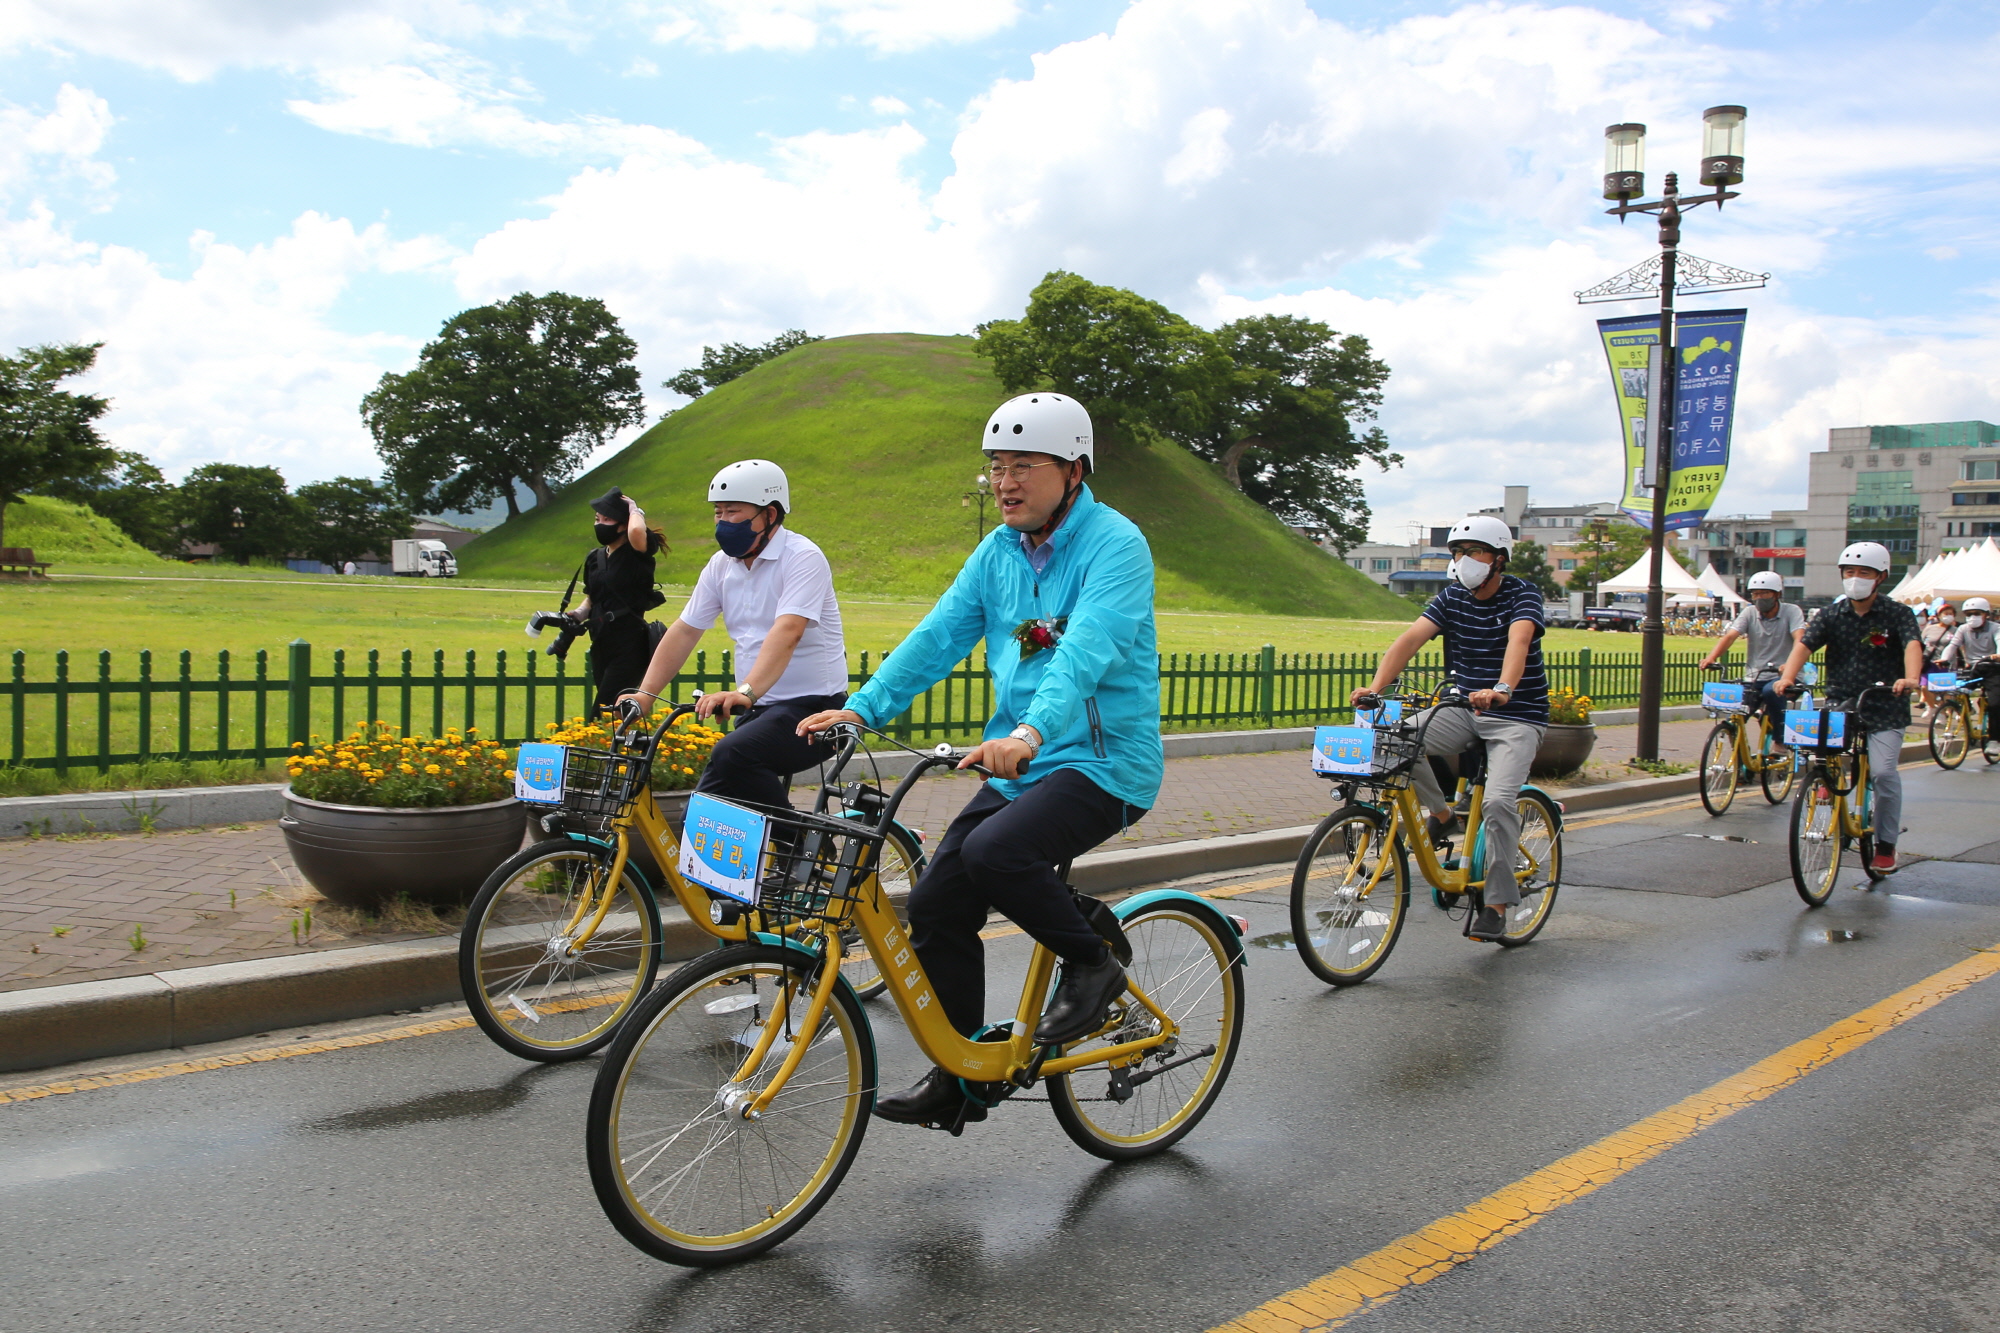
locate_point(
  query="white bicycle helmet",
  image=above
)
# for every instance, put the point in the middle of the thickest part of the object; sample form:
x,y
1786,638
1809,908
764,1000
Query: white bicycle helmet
x,y
1767,581
755,481
1483,528
1977,604
1041,423
1868,555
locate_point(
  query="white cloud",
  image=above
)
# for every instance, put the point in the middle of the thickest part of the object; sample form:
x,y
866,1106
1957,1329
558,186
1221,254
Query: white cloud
x,y
800,25
888,106
38,150
237,361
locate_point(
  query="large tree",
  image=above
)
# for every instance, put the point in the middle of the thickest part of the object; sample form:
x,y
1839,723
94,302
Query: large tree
x,y
47,433
1284,424
1531,562
133,493
1138,367
719,365
245,511
349,518
517,392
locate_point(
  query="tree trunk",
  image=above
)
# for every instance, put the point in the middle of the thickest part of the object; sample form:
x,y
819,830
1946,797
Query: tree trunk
x,y
3,523
1232,460
543,494
513,509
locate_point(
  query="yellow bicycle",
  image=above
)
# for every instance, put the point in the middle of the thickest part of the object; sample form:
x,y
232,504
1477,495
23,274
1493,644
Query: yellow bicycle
x,y
1728,757
1835,808
566,935
1960,721
1351,886
733,1100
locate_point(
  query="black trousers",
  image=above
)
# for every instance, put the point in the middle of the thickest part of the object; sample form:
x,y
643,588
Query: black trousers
x,y
764,749
618,661
1001,854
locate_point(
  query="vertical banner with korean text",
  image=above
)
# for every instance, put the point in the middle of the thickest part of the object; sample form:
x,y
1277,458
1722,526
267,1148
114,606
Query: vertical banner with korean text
x,y
1709,348
1627,343
1710,345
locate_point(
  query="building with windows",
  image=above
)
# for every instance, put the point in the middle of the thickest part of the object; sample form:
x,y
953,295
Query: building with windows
x,y
1739,545
1418,564
1919,490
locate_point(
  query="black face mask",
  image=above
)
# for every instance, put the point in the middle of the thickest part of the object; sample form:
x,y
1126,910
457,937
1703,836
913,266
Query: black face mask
x,y
608,533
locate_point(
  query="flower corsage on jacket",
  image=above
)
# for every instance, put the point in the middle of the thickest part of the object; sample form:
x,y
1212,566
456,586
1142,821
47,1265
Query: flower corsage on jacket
x,y
1035,635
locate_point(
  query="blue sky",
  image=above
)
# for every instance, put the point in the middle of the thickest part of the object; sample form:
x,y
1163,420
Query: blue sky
x,y
260,209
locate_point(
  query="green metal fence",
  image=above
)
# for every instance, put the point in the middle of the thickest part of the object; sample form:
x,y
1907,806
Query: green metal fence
x,y
94,719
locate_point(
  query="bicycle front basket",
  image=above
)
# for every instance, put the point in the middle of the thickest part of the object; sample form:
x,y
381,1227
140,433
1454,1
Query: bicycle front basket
x,y
1822,730
1367,754
602,784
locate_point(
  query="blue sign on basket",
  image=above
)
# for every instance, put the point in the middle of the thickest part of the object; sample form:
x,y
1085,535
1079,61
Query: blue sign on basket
x,y
1942,680
1388,715
1343,750
538,773
1722,697
722,846
1802,727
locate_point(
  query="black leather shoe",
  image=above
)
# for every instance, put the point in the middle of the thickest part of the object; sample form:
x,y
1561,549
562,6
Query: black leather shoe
x,y
1077,1008
1490,924
936,1100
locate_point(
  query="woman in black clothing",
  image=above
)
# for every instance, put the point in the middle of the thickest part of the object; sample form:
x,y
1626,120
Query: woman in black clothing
x,y
618,591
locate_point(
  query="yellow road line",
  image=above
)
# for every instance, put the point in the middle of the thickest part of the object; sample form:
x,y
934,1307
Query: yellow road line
x,y
1330,1301
285,1052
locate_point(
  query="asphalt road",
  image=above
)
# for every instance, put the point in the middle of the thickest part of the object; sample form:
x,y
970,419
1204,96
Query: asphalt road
x,y
435,1183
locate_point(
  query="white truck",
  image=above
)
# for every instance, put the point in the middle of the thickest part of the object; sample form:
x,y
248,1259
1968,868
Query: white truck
x,y
423,557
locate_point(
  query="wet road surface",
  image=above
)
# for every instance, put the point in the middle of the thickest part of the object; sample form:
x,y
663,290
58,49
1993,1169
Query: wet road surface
x,y
434,1182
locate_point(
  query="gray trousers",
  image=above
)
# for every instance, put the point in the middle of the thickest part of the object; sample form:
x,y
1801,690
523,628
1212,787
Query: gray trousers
x,y
1510,749
1885,752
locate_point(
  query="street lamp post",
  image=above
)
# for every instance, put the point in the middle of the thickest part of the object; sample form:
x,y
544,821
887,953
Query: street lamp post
x,y
1624,182
982,490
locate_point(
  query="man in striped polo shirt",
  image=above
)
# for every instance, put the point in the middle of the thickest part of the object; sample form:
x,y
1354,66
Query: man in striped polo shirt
x,y
1492,626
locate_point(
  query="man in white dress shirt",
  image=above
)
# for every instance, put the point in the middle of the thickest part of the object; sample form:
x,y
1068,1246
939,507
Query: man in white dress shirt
x,y
773,590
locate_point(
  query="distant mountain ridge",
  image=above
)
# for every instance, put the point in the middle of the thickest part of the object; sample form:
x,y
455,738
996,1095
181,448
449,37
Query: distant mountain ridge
x,y
878,435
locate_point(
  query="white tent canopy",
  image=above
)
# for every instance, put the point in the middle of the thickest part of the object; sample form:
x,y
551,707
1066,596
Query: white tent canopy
x,y
1717,587
1974,572
1673,578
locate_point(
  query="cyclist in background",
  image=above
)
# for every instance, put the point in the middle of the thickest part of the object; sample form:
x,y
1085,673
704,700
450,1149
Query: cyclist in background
x,y
1770,626
1936,631
1062,593
1974,648
1492,626
773,590
1868,638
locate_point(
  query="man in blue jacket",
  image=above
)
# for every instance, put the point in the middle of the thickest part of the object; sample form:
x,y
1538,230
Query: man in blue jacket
x,y
1063,595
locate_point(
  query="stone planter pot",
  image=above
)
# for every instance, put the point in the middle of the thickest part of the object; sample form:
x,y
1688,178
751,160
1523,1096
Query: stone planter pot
x,y
673,805
1565,748
363,856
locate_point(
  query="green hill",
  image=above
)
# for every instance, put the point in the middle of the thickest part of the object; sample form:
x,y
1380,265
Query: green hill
x,y
71,534
878,436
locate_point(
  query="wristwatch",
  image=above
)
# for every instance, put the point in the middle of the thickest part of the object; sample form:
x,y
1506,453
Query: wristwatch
x,y
1502,687
1026,735
748,693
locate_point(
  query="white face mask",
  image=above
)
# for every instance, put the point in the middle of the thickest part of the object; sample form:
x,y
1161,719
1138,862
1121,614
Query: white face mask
x,y
1858,589
1976,619
1469,571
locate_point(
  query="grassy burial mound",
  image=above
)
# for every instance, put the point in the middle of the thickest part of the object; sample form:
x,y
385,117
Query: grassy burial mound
x,y
878,435
71,534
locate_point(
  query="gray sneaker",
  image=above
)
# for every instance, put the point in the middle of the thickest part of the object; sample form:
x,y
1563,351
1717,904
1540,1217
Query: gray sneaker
x,y
1490,924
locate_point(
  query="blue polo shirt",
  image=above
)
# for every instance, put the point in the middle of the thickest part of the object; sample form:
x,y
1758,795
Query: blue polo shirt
x,y
1475,643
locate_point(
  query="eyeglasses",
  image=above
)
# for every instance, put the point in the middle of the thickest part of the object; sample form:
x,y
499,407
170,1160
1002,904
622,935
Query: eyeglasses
x,y
1000,472
1460,548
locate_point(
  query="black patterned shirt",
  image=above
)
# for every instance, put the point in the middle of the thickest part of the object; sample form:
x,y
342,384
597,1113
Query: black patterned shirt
x,y
1861,650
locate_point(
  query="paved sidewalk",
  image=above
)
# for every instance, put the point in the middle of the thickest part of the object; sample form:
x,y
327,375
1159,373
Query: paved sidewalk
x,y
69,907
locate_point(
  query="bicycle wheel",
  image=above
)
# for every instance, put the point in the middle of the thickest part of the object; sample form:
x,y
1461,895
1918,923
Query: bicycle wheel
x,y
677,1168
1188,959
901,858
1780,771
1948,734
1540,855
529,988
1816,839
1350,895
1718,767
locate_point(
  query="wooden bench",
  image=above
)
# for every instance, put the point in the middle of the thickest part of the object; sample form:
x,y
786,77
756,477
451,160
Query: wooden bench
x,y
21,560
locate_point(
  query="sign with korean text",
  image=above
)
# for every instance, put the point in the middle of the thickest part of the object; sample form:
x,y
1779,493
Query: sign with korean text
x,y
1779,552
538,773
722,846
1343,749
1709,345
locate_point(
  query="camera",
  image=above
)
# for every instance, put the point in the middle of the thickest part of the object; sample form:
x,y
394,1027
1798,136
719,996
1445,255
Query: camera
x,y
565,626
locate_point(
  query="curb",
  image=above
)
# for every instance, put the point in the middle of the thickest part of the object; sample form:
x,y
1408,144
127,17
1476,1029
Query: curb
x,y
87,1020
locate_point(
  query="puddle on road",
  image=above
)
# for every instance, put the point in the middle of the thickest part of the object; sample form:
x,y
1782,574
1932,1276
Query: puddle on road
x,y
1277,939
1842,936
459,1104
1720,837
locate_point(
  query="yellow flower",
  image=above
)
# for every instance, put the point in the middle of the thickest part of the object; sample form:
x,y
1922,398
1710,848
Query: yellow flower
x,y
432,769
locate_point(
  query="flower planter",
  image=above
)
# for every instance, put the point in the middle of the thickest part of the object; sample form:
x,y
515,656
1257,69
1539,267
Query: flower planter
x,y
1565,748
363,856
673,806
